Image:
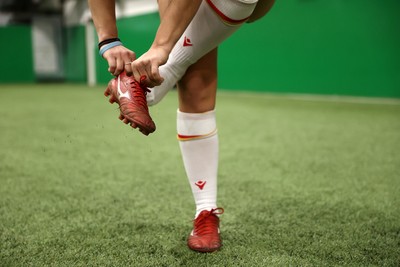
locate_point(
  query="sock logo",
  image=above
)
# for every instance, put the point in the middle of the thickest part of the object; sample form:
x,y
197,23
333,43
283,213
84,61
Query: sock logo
x,y
200,184
187,42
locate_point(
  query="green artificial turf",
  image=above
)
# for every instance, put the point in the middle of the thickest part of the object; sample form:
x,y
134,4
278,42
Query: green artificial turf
x,y
304,182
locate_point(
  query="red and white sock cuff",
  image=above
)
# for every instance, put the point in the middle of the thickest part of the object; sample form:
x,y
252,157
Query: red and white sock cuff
x,y
194,126
233,11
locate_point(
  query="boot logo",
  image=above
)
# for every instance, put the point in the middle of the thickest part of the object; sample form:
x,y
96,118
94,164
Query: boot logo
x,y
120,93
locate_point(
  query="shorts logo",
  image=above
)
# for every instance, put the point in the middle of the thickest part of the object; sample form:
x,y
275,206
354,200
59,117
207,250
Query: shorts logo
x,y
187,42
201,184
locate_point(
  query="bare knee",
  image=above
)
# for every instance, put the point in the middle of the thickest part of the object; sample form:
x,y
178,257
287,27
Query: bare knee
x,y
198,87
197,92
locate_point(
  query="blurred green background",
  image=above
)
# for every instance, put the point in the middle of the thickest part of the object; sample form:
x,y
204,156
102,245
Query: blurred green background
x,y
302,46
304,180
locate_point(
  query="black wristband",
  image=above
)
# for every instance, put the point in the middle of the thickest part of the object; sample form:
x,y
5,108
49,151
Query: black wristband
x,y
107,41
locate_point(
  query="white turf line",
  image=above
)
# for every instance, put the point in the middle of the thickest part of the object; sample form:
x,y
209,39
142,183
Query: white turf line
x,y
320,98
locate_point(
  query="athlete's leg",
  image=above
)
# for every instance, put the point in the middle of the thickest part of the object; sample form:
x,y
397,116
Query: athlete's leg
x,y
197,88
214,22
197,93
198,140
197,128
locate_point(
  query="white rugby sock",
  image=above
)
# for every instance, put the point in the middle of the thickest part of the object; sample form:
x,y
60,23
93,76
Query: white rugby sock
x,y
214,22
198,141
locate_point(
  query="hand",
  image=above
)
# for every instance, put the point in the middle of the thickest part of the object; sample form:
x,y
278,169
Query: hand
x,y
147,65
119,59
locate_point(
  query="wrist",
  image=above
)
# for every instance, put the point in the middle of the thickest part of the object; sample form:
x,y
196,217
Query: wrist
x,y
164,49
108,46
107,41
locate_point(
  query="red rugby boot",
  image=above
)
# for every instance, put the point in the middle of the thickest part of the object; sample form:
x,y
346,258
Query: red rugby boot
x,y
131,98
205,235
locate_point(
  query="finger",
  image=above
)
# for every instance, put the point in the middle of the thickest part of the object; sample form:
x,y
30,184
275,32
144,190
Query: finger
x,y
157,79
128,68
111,64
128,57
149,75
150,82
119,67
138,70
154,78
128,64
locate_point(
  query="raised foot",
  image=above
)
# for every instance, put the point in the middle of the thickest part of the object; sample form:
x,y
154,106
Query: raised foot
x,y
131,98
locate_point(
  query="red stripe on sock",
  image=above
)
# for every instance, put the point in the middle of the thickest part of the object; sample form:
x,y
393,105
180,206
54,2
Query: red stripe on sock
x,y
224,17
181,136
